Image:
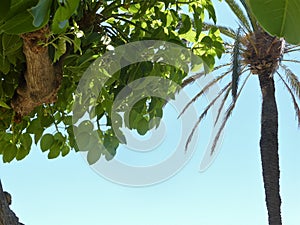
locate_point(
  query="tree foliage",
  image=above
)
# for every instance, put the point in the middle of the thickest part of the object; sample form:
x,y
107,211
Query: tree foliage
x,y
46,45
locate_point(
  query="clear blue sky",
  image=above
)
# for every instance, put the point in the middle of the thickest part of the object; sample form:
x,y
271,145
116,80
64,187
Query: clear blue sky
x,y
66,191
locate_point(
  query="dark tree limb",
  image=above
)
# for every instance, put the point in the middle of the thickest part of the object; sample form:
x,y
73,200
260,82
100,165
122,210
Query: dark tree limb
x,y
41,80
7,216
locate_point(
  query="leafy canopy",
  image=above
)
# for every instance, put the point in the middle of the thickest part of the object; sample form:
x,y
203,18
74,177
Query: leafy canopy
x,y
80,32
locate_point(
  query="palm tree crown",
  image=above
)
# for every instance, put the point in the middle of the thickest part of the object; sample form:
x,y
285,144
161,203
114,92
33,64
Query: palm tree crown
x,y
253,52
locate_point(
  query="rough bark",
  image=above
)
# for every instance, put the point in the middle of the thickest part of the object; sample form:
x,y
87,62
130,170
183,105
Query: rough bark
x,y
41,79
269,149
7,216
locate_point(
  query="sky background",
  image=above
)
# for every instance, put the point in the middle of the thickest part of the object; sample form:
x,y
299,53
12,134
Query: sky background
x,y
67,191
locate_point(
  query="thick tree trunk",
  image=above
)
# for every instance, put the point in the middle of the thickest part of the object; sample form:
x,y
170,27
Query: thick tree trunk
x,y
269,149
41,79
7,217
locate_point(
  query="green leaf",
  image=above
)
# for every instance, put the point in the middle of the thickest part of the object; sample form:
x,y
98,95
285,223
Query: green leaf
x,y
68,120
41,12
93,155
46,120
186,24
82,140
9,89
120,136
198,24
26,140
86,126
38,134
59,137
11,44
19,6
207,41
9,153
4,8
278,17
46,142
35,128
4,65
110,143
133,115
209,62
54,152
143,126
22,153
4,105
34,125
62,14
19,24
60,50
65,150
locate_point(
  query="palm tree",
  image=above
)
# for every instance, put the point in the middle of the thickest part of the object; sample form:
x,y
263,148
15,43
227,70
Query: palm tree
x,y
254,52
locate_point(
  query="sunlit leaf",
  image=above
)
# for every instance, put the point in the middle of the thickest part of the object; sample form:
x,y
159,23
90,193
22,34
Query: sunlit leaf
x,y
4,105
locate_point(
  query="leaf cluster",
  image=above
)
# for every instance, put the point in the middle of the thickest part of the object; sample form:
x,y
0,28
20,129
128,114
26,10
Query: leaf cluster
x,y
80,32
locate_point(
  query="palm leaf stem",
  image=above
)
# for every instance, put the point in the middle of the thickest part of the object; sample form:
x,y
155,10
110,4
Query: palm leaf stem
x,y
203,90
203,114
296,106
228,113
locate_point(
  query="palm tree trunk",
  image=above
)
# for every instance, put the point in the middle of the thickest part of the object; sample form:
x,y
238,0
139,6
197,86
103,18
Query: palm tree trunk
x,y
269,149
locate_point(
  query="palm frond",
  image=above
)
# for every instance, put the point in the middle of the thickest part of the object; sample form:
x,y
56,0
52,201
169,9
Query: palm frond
x,y
224,30
236,65
205,111
291,48
292,80
296,106
225,98
222,104
239,14
228,113
203,90
291,60
192,78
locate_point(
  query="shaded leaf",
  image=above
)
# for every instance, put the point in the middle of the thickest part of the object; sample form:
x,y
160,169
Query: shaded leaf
x,y
9,152
46,142
41,12
93,155
186,24
4,8
19,24
22,153
142,126
26,141
54,152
